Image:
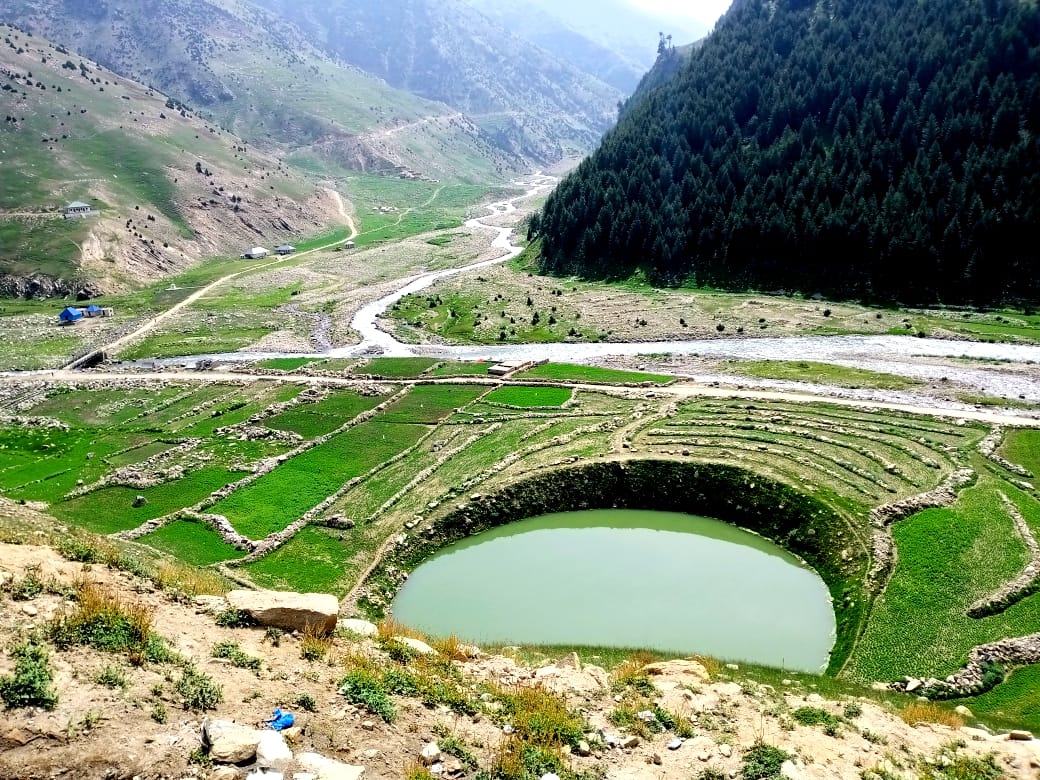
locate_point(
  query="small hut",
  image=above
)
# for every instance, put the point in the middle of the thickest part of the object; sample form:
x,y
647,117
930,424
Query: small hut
x,y
256,253
93,311
285,249
69,315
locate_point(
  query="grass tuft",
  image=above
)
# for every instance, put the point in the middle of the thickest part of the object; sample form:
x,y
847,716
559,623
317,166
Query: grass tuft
x,y
929,712
31,682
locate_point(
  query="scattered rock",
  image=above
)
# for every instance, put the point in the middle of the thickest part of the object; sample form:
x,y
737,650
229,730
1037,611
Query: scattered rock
x,y
452,767
430,754
570,661
230,743
272,752
30,610
913,684
675,743
656,759
583,749
368,725
630,741
725,750
963,711
224,773
288,610
646,716
327,768
139,500
360,627
790,771
1021,736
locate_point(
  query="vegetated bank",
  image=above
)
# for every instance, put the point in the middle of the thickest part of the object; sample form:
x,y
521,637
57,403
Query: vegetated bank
x,y
881,133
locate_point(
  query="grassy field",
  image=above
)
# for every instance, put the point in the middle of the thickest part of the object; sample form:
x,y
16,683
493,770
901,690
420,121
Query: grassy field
x,y
530,396
817,373
112,509
396,368
192,542
439,443
948,558
286,364
325,416
462,369
566,372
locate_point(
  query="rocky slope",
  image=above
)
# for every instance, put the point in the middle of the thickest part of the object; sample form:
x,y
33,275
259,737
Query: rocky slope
x,y
378,703
169,187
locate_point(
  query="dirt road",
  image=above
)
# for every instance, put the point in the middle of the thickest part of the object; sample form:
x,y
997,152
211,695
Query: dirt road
x,y
113,347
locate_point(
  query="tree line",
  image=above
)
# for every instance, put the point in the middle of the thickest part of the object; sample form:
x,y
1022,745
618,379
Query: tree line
x,y
871,149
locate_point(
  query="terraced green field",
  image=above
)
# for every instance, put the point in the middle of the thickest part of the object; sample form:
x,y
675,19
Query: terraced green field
x,y
360,484
566,372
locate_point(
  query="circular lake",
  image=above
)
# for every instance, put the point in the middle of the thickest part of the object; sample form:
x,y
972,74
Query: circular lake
x,y
626,578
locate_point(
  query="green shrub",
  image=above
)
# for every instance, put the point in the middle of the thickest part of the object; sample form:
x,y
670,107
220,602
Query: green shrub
x,y
31,683
29,586
233,653
274,636
852,710
159,712
951,765
363,687
763,762
111,677
712,773
79,550
235,618
198,690
305,701
453,746
814,716
105,622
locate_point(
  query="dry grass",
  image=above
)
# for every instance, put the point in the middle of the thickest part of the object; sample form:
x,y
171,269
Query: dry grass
x,y
632,667
104,620
389,628
928,712
189,580
415,770
711,665
315,643
451,648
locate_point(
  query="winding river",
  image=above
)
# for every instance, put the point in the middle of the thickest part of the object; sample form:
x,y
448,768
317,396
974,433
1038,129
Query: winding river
x,y
893,354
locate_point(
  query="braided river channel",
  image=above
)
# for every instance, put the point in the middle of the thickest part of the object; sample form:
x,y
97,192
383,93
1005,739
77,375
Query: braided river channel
x,y
626,578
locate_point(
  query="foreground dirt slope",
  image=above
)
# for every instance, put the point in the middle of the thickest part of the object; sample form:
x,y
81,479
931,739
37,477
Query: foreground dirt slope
x,y
98,731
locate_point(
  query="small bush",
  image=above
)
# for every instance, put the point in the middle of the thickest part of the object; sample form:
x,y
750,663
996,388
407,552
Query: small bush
x,y
198,691
763,762
453,746
814,716
274,636
315,645
233,653
852,710
105,622
398,651
235,618
951,765
306,702
31,683
159,712
541,718
79,550
712,773
29,586
363,687
927,712
111,677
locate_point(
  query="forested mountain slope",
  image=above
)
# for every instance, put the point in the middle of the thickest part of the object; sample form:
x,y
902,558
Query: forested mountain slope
x,y
869,148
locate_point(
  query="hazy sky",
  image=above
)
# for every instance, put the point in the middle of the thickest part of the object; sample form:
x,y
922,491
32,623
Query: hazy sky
x,y
704,12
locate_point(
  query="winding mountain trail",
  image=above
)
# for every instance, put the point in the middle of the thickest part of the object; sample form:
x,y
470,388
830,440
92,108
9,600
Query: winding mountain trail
x,y
113,347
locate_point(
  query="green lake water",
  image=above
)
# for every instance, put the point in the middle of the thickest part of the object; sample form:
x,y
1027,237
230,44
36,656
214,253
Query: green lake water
x,y
626,578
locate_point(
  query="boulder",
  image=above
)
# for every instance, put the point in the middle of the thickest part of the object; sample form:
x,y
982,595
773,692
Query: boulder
x,y
630,742
416,645
360,627
224,773
430,754
272,752
229,743
1021,736
328,769
288,610
570,661
789,771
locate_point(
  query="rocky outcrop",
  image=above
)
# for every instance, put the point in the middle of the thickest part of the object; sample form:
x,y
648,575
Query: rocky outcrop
x,y
988,447
40,286
288,610
985,668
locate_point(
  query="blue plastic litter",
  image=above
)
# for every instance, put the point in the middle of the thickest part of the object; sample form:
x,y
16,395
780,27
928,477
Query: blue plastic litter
x,y
280,720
